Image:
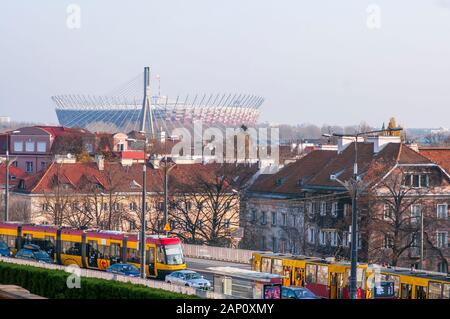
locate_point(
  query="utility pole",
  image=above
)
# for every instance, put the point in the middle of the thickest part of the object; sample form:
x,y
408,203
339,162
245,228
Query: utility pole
x,y
354,187
143,211
167,169
421,239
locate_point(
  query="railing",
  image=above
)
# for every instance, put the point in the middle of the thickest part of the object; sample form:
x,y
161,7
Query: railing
x,y
218,253
109,276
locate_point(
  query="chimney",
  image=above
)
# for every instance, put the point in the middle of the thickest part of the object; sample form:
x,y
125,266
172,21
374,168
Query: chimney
x,y
99,159
344,141
380,141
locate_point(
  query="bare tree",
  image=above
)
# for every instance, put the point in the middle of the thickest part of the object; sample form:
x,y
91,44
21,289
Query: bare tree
x,y
57,201
208,211
392,223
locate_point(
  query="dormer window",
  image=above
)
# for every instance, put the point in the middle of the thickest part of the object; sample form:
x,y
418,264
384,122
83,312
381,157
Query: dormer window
x,y
416,180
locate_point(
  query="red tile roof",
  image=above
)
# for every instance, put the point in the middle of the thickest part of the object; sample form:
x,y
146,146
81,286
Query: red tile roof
x,y
61,130
79,176
137,155
439,155
286,181
13,171
314,170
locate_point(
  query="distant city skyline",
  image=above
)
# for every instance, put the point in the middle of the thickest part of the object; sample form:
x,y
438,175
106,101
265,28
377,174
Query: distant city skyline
x,y
318,62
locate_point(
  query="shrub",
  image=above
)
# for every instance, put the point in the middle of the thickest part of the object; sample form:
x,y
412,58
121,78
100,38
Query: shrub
x,y
52,284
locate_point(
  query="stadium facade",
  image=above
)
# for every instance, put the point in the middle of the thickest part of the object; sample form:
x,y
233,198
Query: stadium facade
x,y
134,108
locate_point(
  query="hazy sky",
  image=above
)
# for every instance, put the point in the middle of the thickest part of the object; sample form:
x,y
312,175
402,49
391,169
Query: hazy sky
x,y
314,61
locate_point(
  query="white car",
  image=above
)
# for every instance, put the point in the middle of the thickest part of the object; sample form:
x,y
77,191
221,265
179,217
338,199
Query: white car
x,y
188,278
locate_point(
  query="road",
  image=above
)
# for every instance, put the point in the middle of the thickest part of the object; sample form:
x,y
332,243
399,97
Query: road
x,y
240,287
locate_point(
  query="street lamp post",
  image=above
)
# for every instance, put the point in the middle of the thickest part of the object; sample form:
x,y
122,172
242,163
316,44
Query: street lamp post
x,y
142,241
167,169
354,187
7,163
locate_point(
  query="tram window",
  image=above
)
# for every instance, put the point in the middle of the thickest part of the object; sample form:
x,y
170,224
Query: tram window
x,y
360,278
115,250
421,292
105,252
435,289
133,256
160,254
9,240
28,238
150,256
266,265
406,291
71,248
322,275
277,267
311,272
446,291
395,279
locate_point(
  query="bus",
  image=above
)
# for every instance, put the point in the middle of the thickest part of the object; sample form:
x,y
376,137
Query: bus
x,y
97,249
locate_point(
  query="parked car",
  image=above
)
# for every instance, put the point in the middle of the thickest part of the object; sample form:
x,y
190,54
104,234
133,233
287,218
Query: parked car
x,y
124,269
34,253
297,293
188,278
4,250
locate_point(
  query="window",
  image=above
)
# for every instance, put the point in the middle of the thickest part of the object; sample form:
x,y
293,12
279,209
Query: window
x,y
388,241
133,256
311,235
41,147
347,209
263,218
29,146
334,209
283,219
43,165
322,238
323,208
311,274
274,218
29,168
120,147
132,206
18,146
266,265
442,211
387,212
442,239
277,266
322,275
188,206
309,208
434,291
416,211
442,267
263,242
226,223
416,180
346,239
45,207
254,215
160,206
333,239
105,206
274,244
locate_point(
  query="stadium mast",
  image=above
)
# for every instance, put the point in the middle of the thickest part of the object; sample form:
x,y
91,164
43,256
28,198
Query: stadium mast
x,y
146,111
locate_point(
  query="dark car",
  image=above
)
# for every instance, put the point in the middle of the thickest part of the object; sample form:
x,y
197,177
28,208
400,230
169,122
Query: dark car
x,y
34,253
4,250
297,293
124,269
